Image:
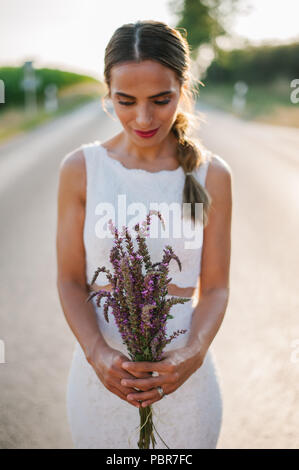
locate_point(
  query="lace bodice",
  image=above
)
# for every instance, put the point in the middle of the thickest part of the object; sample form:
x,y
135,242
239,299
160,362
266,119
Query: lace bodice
x,y
126,195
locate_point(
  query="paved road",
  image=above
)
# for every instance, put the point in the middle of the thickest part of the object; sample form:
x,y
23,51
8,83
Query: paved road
x,y
254,345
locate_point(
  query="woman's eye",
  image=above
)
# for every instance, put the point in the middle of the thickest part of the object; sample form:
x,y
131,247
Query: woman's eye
x,y
162,102
129,103
126,103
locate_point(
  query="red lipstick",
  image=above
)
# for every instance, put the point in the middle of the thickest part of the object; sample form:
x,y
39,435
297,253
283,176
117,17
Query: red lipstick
x,y
146,134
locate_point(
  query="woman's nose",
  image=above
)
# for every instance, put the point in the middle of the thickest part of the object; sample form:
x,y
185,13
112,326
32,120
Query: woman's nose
x,y
143,117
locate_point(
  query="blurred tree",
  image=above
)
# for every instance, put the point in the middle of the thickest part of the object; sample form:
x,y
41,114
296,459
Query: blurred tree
x,y
205,20
256,64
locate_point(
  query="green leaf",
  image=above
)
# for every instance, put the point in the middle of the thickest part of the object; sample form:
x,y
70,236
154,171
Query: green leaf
x,y
139,357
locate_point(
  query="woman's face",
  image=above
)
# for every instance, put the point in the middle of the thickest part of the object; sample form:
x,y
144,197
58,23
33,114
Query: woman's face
x,y
133,91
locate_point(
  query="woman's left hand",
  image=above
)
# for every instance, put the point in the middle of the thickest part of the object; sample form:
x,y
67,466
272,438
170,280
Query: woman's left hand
x,y
174,369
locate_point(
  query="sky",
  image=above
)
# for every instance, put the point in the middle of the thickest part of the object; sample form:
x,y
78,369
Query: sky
x,y
72,34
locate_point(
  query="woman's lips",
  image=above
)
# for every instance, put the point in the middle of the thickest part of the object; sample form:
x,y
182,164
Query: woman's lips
x,y
146,134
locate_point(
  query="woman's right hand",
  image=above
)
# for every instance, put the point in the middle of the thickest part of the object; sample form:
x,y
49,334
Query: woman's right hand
x,y
107,363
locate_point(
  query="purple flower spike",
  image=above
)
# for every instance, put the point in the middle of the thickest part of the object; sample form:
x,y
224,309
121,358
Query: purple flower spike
x,y
138,298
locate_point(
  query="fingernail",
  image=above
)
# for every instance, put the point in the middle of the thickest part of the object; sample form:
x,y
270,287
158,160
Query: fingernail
x,y
125,365
123,382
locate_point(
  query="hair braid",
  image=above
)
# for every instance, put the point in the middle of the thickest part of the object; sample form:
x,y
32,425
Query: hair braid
x,y
190,158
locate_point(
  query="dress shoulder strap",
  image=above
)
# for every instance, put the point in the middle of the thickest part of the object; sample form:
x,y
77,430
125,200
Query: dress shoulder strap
x,y
89,150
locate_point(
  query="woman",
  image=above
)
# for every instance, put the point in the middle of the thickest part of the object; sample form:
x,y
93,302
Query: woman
x,y
147,72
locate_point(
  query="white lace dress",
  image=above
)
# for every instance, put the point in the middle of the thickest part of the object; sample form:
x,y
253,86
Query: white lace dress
x,y
190,417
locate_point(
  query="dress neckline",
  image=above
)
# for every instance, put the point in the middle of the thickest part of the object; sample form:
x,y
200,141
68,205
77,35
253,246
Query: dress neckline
x,y
138,170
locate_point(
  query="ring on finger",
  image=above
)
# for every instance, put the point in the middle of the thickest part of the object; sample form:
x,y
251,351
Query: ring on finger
x,y
161,391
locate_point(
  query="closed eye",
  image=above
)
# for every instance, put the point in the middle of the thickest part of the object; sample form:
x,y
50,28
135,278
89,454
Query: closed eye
x,y
162,102
129,103
126,103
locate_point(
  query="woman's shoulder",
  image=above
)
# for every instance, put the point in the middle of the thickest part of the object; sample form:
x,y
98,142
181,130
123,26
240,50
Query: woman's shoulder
x,y
73,171
215,162
219,173
73,160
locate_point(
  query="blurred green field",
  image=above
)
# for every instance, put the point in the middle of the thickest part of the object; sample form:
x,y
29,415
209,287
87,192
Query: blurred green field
x,y
73,90
270,104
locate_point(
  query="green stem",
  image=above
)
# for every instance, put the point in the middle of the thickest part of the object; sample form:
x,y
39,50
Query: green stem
x,y
146,428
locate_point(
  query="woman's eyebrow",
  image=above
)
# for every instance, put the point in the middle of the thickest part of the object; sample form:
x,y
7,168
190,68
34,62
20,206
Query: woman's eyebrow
x,y
153,96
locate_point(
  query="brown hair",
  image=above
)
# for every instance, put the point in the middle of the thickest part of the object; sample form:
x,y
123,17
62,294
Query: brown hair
x,y
154,40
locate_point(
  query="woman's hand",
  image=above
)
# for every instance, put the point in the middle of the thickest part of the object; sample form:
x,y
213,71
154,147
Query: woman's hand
x,y
175,368
107,363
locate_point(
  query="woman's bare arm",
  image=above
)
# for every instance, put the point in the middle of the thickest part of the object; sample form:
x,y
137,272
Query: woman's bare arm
x,y
71,279
214,278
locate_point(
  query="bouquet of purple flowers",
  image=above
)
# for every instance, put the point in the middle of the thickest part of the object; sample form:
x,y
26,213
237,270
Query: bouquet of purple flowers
x,y
139,304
